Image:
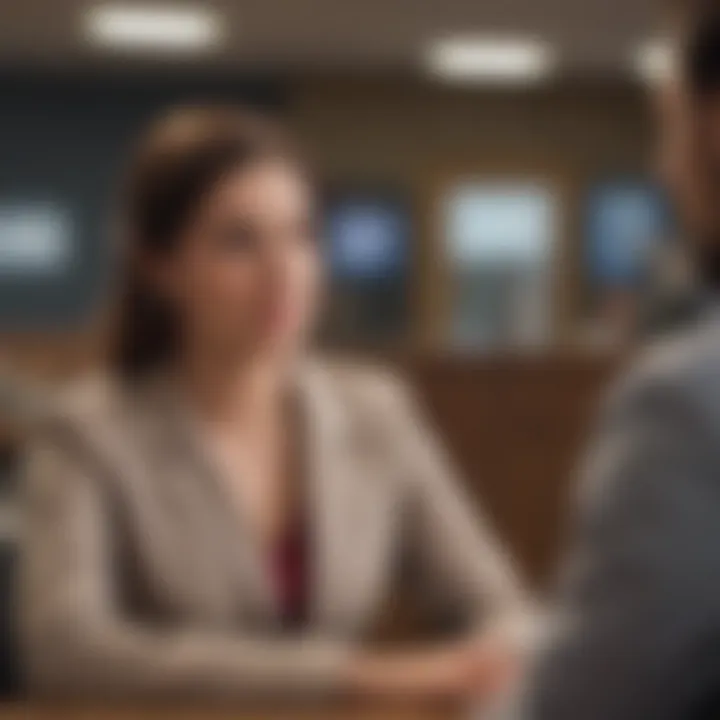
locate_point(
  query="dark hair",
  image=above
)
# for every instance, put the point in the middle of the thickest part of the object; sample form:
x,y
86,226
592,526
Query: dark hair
x,y
180,160
700,46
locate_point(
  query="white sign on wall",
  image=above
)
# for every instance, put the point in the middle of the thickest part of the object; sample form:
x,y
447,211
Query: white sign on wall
x,y
35,239
495,223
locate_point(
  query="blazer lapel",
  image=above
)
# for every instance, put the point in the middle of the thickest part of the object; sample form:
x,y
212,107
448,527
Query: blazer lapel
x,y
331,471
254,589
330,481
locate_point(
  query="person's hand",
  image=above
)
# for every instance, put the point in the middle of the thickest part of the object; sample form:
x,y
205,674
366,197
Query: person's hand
x,y
468,670
497,671
497,666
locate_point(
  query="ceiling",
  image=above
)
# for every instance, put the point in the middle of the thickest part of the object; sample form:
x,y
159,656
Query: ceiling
x,y
593,36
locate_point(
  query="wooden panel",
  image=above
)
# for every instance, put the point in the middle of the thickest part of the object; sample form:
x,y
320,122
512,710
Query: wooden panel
x,y
516,428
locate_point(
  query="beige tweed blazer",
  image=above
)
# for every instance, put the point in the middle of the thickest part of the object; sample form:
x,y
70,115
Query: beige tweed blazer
x,y
138,576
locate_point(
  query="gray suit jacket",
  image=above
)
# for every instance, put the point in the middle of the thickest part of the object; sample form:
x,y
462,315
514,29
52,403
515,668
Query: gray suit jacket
x,y
139,577
639,613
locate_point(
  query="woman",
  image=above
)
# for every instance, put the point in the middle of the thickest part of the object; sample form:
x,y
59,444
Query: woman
x,y
221,514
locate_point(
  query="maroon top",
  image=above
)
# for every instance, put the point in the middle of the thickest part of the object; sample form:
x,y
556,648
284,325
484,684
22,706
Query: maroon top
x,y
291,576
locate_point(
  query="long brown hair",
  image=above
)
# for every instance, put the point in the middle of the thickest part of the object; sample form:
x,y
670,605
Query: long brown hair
x,y
180,160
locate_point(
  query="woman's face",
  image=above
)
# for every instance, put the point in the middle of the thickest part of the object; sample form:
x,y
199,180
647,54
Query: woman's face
x,y
246,273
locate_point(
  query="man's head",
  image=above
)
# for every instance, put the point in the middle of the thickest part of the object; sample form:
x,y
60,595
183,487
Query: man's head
x,y
690,150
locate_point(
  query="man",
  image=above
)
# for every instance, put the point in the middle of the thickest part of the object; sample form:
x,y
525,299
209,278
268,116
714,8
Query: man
x,y
670,294
636,634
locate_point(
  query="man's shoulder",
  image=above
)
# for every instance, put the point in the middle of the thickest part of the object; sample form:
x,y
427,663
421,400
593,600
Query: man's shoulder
x,y
684,366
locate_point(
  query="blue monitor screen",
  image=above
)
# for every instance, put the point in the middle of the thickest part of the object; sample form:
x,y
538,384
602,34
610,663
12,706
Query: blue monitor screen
x,y
626,221
367,237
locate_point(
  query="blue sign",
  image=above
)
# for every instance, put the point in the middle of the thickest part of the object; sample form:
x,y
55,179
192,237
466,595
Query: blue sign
x,y
368,238
626,221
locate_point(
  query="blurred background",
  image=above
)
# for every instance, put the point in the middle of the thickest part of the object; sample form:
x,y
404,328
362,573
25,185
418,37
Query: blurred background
x,y
490,219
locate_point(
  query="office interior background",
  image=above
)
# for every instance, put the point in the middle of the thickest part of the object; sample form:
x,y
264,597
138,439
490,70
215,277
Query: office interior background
x,y
489,215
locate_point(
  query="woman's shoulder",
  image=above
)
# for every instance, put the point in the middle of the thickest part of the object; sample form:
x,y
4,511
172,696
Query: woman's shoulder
x,y
73,424
372,408
89,409
363,388
91,398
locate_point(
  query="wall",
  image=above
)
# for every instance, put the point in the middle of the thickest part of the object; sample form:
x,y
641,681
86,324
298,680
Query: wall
x,y
65,140
417,136
516,428
69,137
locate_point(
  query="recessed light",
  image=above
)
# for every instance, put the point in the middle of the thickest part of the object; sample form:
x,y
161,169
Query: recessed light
x,y
156,27
655,61
491,59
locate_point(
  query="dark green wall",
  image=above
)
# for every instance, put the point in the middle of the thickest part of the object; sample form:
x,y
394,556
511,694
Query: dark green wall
x,y
63,140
